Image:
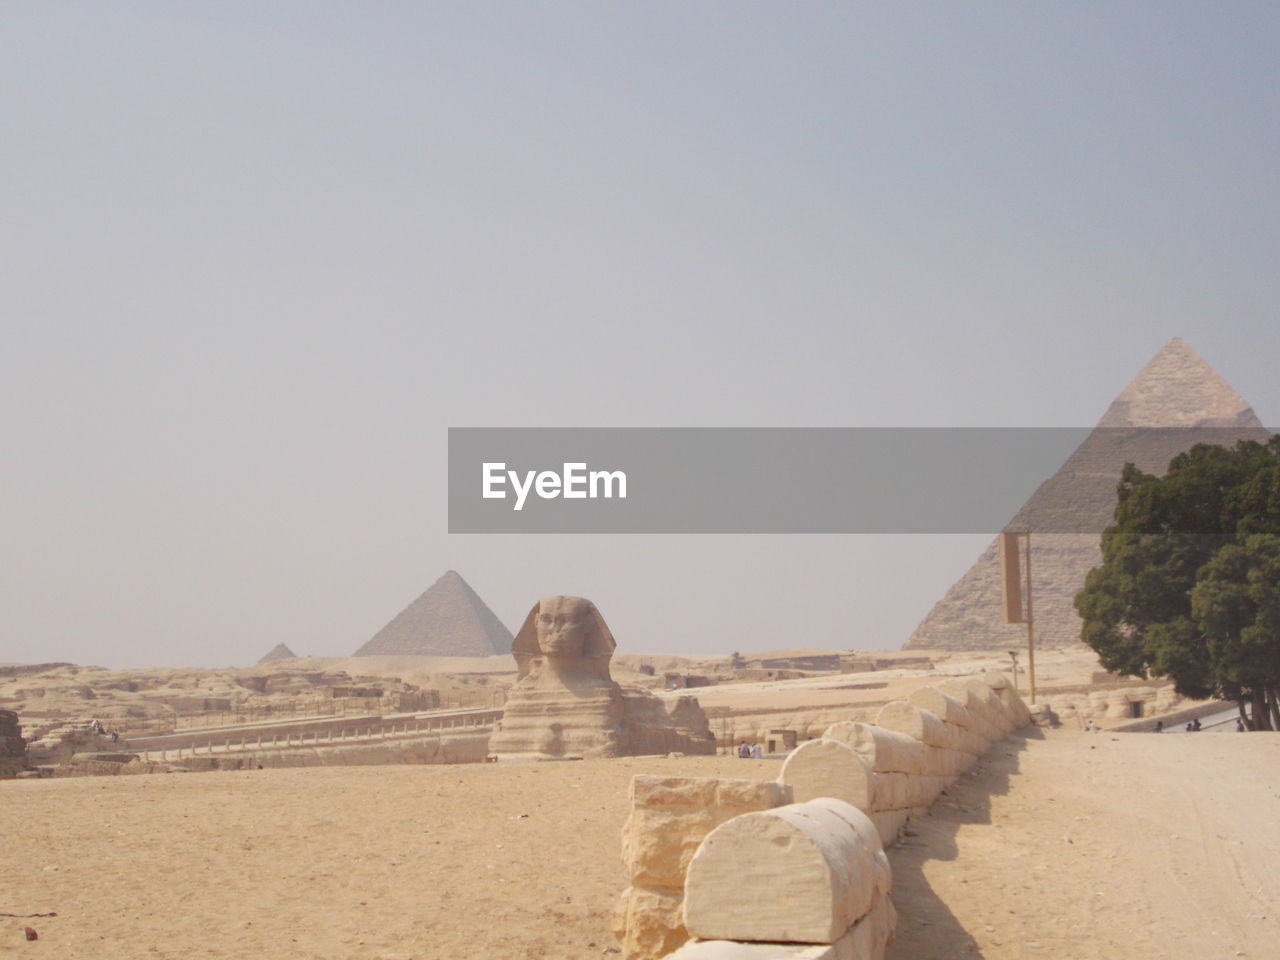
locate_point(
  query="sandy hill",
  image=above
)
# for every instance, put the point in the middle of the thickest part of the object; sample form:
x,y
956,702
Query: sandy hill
x,y
1176,389
448,620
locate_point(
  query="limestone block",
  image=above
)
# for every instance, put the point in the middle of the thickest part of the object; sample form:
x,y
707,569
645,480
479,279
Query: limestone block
x,y
865,940
670,816
888,824
979,720
871,935
945,707
1007,692
990,708
1017,707
649,923
731,950
922,725
817,869
828,768
958,761
903,791
883,872
887,751
970,743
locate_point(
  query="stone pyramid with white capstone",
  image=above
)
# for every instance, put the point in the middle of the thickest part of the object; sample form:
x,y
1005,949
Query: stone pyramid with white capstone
x,y
1175,389
448,620
278,652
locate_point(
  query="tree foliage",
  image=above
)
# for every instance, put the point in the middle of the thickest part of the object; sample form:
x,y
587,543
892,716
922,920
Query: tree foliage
x,y
1189,586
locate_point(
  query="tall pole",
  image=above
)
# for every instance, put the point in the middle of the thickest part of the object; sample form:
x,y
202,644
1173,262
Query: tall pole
x,y
1031,636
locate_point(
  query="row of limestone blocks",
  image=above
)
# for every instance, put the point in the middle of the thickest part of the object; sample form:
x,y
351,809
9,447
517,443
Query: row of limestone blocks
x,y
726,861
1113,704
883,772
896,767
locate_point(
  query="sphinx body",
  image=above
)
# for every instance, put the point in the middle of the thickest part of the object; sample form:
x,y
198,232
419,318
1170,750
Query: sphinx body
x,y
565,704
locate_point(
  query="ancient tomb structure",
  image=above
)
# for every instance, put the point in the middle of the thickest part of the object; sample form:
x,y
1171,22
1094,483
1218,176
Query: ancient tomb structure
x,y
448,620
565,704
1176,389
803,880
279,652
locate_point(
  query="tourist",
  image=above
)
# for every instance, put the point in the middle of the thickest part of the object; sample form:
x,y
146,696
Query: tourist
x,y
1159,726
744,751
1195,725
756,752
1190,728
1239,725
1092,727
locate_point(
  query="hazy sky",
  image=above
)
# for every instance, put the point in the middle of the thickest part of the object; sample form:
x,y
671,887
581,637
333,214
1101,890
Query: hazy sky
x,y
258,257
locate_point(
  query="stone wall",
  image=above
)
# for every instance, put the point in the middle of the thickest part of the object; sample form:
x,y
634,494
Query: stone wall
x,y
1115,703
774,882
460,745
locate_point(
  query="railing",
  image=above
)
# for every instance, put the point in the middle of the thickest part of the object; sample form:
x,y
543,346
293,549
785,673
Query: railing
x,y
334,735
329,707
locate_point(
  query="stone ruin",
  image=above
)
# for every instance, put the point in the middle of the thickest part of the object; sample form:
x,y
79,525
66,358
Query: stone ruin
x,y
13,749
565,704
795,869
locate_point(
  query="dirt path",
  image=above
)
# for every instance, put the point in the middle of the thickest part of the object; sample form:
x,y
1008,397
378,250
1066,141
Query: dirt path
x,y
1107,846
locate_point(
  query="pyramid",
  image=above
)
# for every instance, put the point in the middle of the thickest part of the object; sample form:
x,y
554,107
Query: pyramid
x,y
1175,389
448,620
278,652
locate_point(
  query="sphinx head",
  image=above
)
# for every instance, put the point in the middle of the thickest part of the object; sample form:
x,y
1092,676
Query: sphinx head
x,y
564,629
563,625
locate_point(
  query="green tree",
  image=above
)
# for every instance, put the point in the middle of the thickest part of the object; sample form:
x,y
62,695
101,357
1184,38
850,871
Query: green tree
x,y
1236,603
1189,586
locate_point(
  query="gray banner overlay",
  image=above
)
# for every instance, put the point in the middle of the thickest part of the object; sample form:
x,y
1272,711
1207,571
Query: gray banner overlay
x,y
802,480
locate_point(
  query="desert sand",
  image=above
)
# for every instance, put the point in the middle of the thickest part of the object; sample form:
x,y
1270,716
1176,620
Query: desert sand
x,y
1062,843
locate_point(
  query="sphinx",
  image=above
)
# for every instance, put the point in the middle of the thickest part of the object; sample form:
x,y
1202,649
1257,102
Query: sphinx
x,y
565,705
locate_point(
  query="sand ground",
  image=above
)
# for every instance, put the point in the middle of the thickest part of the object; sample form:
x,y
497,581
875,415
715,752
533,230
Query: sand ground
x,y
468,862
1099,847
1083,846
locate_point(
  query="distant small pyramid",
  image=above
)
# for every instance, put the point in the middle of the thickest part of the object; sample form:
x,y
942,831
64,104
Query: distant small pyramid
x,y
448,620
1175,389
278,652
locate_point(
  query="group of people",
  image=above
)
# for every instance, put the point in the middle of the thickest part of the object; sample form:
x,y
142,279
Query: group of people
x,y
750,751
1192,727
95,726
1195,726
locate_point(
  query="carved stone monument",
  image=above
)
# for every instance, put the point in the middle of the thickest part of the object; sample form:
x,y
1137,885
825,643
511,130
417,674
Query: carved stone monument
x,y
565,704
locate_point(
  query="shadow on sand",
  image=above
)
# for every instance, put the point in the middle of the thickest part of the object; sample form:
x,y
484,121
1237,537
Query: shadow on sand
x,y
926,925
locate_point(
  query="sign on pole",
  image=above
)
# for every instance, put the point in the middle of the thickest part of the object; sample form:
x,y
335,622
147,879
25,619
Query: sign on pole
x,y
1011,577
